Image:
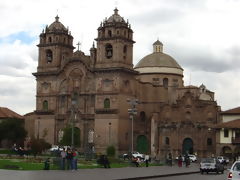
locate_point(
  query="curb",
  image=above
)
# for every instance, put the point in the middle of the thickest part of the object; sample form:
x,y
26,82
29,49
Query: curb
x,y
162,175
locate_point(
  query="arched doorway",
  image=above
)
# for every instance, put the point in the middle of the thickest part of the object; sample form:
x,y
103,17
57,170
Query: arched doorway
x,y
142,144
187,146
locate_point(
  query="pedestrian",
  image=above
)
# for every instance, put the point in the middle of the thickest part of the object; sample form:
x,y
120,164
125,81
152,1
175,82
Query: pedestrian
x,y
187,160
106,162
170,159
146,159
75,159
180,161
47,164
69,157
63,159
135,161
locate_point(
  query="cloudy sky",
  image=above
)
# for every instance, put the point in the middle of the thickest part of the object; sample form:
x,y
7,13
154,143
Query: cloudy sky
x,y
202,35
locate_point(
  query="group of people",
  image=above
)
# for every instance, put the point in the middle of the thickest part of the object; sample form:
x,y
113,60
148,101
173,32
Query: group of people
x,y
69,159
186,160
137,161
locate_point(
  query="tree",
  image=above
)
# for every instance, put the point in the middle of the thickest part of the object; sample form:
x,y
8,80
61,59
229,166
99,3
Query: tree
x,y
12,129
67,136
38,146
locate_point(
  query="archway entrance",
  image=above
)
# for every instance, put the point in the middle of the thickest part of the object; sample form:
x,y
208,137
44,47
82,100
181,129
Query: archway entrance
x,y
187,146
142,144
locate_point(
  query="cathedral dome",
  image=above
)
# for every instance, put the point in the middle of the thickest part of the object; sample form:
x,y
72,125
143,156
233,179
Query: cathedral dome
x,y
115,17
158,62
57,26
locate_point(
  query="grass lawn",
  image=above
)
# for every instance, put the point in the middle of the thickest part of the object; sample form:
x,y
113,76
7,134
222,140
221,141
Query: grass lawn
x,y
31,164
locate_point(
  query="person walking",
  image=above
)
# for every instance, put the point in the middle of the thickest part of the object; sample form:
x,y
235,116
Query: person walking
x,y
63,159
170,159
187,160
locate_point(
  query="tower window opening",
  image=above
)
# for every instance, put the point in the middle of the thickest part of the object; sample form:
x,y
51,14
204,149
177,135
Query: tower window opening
x,y
165,83
107,103
45,105
109,51
125,49
167,141
49,56
50,39
109,33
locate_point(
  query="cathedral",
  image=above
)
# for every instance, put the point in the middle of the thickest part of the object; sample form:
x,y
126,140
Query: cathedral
x,y
111,102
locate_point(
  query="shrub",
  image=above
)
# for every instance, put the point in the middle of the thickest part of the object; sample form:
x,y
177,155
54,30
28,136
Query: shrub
x,y
111,151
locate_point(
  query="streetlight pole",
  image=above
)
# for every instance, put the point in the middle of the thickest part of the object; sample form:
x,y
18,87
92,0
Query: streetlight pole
x,y
132,112
73,119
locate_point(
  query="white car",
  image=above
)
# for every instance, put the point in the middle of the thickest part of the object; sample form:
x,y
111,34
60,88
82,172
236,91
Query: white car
x,y
135,155
234,172
192,158
223,160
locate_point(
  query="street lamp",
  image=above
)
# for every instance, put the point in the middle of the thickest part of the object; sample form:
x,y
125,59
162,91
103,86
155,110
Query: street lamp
x,y
132,112
73,119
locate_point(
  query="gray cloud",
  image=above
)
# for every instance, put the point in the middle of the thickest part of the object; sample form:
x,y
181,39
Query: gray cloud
x,y
157,16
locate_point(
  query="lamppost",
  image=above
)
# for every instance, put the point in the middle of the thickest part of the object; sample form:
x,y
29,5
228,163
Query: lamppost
x,y
73,119
132,112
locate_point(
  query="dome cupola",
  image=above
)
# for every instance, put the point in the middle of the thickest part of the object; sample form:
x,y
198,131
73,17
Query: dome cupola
x,y
158,62
57,26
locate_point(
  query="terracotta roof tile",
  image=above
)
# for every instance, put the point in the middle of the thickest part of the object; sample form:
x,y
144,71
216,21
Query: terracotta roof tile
x,y
231,124
7,113
232,111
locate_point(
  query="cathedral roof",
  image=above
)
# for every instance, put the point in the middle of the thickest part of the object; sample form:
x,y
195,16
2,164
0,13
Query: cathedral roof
x,y
158,62
7,113
115,17
158,43
57,26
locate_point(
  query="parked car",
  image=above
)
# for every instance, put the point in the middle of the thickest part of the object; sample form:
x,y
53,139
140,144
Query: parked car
x,y
223,160
192,158
134,154
211,165
234,172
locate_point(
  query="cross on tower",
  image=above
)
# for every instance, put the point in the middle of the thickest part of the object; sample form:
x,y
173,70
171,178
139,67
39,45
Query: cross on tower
x,y
78,44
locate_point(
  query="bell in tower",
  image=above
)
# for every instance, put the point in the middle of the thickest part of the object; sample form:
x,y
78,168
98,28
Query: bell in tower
x,y
114,43
55,45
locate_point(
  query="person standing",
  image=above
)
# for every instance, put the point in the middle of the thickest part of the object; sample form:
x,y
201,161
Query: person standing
x,y
69,157
75,159
179,161
63,159
146,160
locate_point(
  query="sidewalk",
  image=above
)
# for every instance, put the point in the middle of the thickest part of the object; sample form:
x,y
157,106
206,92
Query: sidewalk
x,y
100,173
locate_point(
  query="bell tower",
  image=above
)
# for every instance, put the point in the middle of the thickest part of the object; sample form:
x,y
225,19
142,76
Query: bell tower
x,y
55,45
114,43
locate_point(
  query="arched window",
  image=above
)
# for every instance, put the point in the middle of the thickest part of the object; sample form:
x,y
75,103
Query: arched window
x,y
165,82
45,105
107,103
167,141
109,33
125,49
209,141
108,51
142,116
49,56
50,39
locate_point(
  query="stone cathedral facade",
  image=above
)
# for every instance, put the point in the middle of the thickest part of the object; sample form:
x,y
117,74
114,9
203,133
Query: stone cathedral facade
x,y
92,91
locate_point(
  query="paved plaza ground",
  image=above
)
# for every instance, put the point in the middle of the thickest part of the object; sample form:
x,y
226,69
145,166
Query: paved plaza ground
x,y
99,173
